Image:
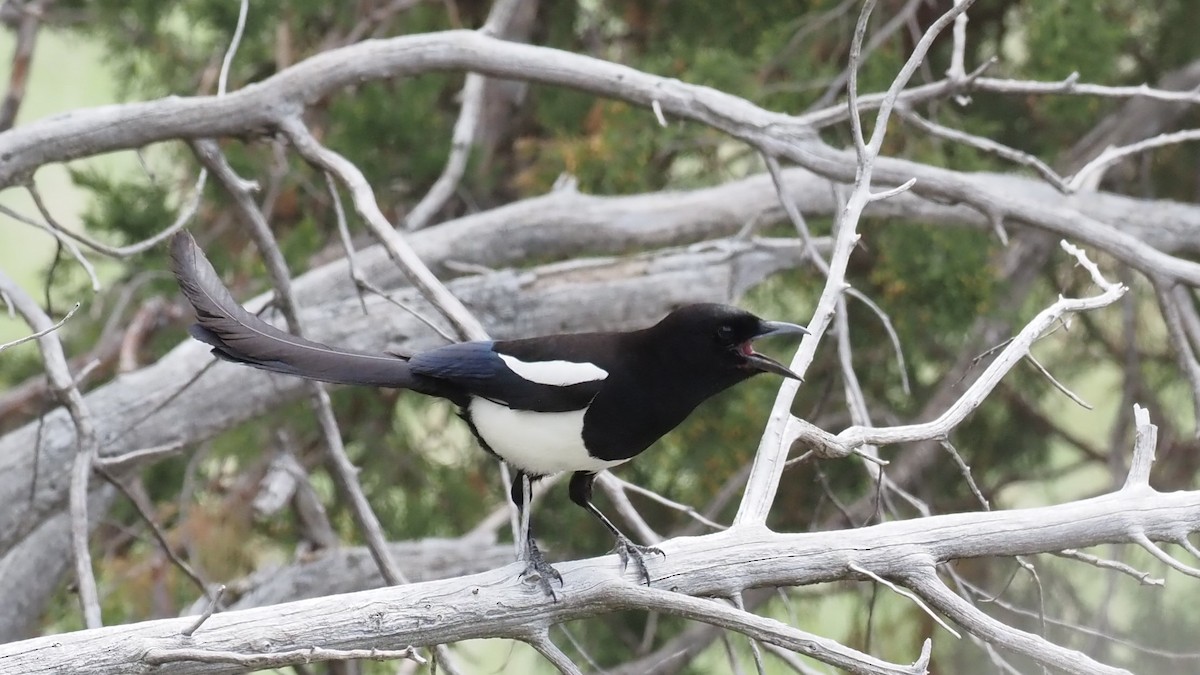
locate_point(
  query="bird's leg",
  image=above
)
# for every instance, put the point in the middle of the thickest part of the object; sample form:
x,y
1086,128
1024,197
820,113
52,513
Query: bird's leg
x,y
581,494
537,569
523,511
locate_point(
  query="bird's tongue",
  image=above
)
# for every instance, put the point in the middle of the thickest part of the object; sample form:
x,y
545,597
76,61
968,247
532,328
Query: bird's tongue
x,y
747,349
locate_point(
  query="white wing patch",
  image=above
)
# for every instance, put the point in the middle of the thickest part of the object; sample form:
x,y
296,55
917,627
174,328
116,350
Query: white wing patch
x,y
554,373
537,442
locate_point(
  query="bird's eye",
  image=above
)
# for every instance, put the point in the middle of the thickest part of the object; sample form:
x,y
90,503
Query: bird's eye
x,y
725,333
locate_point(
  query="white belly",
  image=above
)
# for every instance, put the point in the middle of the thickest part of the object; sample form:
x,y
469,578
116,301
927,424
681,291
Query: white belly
x,y
535,442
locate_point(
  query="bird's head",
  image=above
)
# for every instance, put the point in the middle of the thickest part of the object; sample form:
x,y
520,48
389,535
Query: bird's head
x,y
721,335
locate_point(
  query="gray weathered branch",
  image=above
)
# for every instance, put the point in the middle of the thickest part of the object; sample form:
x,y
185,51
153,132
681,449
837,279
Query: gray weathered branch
x,y
498,604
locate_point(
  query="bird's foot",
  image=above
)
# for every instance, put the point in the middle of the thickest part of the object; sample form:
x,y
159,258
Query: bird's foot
x,y
540,572
627,550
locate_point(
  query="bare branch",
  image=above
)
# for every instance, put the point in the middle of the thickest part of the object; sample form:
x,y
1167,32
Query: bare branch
x,y
398,248
45,331
892,192
26,31
985,144
753,626
612,487
1084,178
974,81
719,564
904,593
1177,337
1143,578
929,587
958,69
974,395
1057,385
1164,557
965,470
227,61
473,95
671,504
143,509
1144,445
57,231
120,463
542,643
54,362
177,657
891,332
213,600
773,448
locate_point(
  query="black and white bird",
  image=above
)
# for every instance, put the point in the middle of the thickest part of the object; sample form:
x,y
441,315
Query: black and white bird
x,y
544,405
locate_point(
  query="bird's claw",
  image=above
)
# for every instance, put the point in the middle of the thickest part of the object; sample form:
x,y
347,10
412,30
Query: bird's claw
x,y
627,550
540,572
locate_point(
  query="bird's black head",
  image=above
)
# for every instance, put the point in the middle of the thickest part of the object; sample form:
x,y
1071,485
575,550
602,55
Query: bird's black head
x,y
711,336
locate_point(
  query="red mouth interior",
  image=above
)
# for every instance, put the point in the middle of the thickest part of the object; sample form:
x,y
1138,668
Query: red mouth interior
x,y
747,350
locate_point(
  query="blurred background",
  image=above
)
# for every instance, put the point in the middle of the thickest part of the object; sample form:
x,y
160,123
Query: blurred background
x,y
941,285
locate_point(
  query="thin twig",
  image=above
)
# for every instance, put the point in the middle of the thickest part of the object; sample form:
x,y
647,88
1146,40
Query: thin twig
x,y
347,241
58,231
892,192
1164,557
1083,177
965,470
856,400
234,42
891,332
986,145
1032,360
793,213
121,462
1143,578
1093,632
38,334
213,601
159,536
854,567
958,69
683,508
974,81
592,663
621,503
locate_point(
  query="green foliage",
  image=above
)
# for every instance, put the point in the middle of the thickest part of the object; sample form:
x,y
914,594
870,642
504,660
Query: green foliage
x,y
131,210
912,264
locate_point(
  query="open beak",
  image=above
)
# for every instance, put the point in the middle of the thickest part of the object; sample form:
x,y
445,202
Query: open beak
x,y
767,364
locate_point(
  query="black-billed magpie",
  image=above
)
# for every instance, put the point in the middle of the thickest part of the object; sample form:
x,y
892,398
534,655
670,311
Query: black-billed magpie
x,y
576,402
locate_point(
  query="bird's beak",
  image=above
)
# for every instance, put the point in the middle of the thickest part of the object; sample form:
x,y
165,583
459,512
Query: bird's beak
x,y
780,328
767,364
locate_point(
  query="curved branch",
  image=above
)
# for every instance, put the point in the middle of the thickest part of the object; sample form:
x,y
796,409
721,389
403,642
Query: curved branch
x,y
267,105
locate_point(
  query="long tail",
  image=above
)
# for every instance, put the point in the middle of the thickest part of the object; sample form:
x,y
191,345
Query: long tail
x,y
239,336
